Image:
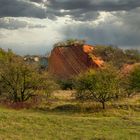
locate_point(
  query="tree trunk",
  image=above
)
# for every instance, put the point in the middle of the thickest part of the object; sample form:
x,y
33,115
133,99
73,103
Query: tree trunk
x,y
103,105
15,97
22,96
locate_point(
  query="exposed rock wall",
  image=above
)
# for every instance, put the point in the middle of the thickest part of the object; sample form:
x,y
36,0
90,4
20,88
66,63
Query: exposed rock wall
x,y
65,62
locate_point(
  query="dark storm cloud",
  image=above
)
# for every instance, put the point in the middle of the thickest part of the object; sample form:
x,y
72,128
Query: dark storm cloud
x,y
20,8
86,9
77,14
95,5
76,9
37,1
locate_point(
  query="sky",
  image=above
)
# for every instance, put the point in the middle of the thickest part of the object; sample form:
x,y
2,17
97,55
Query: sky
x,y
34,26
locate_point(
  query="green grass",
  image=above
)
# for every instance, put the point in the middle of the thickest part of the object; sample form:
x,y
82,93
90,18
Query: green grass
x,y
69,120
42,125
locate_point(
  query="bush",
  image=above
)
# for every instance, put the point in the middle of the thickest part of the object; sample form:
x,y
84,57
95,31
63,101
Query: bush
x,y
67,84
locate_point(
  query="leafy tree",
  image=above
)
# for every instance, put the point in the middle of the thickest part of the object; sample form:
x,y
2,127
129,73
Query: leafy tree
x,y
84,85
47,84
18,81
134,79
131,81
100,86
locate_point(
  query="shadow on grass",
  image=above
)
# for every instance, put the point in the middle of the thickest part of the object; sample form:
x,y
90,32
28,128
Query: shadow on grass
x,y
73,108
67,107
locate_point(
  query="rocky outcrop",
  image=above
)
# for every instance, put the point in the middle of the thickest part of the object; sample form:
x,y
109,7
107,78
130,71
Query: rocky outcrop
x,y
65,62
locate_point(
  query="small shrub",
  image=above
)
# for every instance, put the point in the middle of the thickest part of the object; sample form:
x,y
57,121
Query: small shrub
x,y
66,84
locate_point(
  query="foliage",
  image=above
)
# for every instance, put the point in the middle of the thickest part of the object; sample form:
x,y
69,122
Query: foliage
x,y
117,56
20,81
134,79
70,42
131,81
47,84
101,86
132,55
84,84
6,56
66,84
111,54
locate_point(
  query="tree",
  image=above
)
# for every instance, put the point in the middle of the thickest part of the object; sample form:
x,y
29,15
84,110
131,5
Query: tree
x,y
46,84
100,86
131,81
18,81
134,79
84,84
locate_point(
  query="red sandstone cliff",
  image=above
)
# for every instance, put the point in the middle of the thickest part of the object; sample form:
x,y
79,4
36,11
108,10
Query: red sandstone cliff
x,y
65,62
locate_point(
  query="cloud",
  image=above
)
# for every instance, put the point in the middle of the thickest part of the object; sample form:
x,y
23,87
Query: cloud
x,y
94,5
87,9
31,41
39,1
25,28
108,29
14,23
81,10
21,8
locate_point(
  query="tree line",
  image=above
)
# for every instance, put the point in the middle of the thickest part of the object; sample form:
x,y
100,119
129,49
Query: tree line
x,y
19,81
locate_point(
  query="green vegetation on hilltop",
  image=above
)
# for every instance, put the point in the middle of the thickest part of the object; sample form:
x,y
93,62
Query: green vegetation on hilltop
x,y
117,56
69,43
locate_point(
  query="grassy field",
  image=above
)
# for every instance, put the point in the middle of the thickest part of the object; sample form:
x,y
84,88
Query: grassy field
x,y
121,123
